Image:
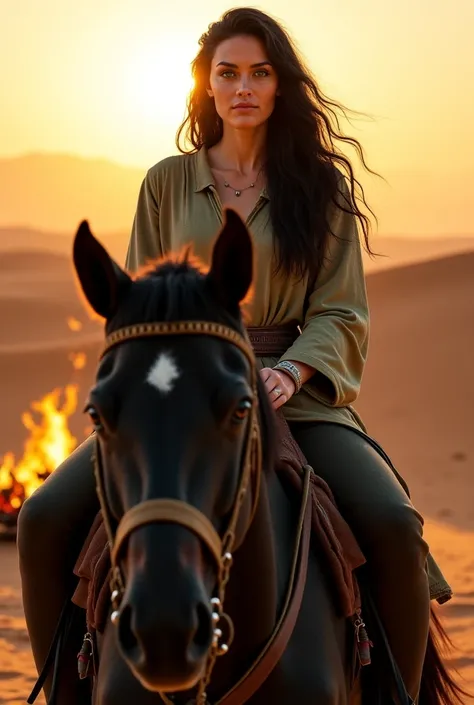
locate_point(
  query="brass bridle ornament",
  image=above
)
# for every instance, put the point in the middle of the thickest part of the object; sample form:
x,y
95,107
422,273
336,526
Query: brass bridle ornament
x,y
176,511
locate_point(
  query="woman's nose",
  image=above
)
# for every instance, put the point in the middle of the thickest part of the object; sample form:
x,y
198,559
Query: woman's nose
x,y
243,92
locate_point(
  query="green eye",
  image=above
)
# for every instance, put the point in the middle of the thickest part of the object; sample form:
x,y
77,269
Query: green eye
x,y
242,410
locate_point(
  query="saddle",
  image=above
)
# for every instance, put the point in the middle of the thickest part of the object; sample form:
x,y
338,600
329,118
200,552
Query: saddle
x,y
336,544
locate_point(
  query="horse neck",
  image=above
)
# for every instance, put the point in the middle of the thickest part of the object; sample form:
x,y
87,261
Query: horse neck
x,y
254,574
256,586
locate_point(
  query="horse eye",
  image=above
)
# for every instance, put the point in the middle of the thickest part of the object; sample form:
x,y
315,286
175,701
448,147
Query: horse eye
x,y
242,410
94,417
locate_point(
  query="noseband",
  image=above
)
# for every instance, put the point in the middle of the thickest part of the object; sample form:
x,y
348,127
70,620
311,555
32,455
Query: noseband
x,y
175,511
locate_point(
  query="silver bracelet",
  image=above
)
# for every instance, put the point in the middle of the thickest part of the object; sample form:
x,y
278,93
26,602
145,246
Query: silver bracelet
x,y
293,371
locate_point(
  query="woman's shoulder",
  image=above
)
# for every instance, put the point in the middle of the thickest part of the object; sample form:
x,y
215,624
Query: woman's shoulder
x,y
341,197
176,166
339,178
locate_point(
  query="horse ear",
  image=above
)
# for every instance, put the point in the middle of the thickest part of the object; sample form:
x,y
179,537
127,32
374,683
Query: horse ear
x,y
231,270
102,280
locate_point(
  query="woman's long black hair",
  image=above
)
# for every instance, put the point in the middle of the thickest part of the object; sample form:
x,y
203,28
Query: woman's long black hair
x,y
301,155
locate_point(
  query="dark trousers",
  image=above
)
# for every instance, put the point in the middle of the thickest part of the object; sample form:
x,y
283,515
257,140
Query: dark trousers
x,y
54,522
389,531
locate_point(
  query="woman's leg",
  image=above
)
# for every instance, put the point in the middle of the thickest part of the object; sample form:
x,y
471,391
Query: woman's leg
x,y
52,527
389,531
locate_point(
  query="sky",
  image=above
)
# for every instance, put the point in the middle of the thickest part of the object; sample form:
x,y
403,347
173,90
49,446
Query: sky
x,y
109,78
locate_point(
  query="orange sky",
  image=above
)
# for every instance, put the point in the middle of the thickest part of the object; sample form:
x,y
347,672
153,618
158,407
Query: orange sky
x,y
109,79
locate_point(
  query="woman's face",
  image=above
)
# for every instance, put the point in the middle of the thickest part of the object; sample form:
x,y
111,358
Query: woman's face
x,y
243,83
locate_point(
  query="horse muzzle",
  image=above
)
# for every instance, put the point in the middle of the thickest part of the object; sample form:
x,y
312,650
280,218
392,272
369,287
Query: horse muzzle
x,y
165,625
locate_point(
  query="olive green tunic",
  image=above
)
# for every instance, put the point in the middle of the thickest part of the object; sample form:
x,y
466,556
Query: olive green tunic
x,y
178,205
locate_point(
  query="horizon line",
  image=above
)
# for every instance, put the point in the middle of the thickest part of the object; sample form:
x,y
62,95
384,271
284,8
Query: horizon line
x,y
135,166
115,233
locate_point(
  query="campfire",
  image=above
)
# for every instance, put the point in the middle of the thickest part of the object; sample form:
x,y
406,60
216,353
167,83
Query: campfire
x,y
48,443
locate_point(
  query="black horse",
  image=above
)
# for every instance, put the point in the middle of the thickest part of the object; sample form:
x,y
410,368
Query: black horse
x,y
204,535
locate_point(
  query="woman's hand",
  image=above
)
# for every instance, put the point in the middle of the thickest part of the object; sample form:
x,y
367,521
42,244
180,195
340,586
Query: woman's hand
x,y
280,386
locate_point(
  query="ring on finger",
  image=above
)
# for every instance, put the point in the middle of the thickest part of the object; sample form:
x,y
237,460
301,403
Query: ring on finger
x,y
277,391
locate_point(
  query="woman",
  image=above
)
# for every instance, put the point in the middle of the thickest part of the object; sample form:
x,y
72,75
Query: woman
x,y
263,143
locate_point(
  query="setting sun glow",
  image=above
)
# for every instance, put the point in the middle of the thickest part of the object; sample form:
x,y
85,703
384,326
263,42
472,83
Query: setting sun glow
x,y
109,81
156,81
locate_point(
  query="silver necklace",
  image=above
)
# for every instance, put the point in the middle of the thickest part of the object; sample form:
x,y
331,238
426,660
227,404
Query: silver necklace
x,y
238,191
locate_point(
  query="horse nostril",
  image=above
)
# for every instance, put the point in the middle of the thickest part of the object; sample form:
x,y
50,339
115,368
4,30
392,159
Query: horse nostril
x,y
203,634
168,638
126,634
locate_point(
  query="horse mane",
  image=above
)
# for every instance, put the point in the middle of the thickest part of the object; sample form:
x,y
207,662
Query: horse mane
x,y
176,289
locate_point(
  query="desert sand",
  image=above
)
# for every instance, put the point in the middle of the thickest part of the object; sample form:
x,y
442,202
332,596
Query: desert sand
x,y
416,400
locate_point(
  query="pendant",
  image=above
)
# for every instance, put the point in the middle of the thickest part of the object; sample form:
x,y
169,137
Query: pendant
x,y
238,192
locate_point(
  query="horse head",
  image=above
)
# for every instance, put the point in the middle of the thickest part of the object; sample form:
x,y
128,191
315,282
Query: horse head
x,y
175,409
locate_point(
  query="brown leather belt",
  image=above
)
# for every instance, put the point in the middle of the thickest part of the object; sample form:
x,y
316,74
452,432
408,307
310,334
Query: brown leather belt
x,y
272,341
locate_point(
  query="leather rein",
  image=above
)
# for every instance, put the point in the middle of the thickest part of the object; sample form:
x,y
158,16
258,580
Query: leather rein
x,y
221,548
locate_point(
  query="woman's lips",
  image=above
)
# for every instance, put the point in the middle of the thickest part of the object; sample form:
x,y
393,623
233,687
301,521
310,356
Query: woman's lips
x,y
243,106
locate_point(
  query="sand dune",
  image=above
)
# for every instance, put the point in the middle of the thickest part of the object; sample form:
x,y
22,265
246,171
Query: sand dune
x,y
417,392
31,242
394,250
416,400
38,295
398,251
55,191
17,673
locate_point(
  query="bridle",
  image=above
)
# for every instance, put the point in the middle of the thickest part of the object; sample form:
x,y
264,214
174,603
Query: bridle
x,y
170,510
176,511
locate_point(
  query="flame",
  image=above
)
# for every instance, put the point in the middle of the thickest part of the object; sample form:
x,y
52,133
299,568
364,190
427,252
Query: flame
x,y
74,324
48,444
78,360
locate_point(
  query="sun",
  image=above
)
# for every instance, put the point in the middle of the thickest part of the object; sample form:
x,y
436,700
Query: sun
x,y
156,81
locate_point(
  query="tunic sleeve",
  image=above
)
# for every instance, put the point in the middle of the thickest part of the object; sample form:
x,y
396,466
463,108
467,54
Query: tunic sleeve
x,y
145,242
335,332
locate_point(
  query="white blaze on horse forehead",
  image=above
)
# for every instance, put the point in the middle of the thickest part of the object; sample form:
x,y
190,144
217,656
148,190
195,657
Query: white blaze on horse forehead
x,y
163,373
